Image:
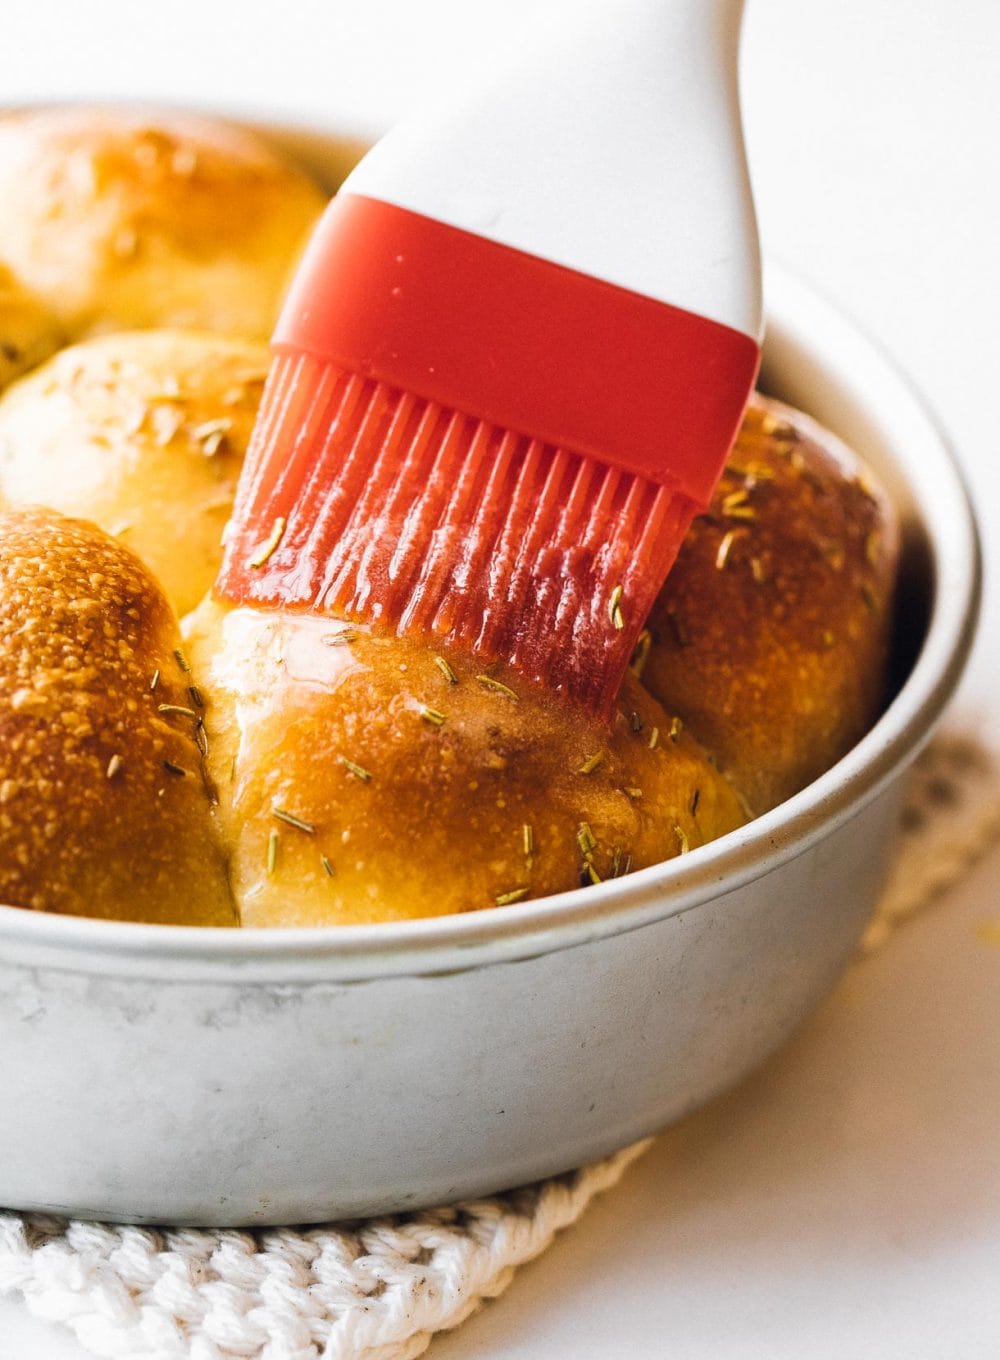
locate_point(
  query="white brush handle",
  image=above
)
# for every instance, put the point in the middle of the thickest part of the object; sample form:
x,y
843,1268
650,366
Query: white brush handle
x,y
617,152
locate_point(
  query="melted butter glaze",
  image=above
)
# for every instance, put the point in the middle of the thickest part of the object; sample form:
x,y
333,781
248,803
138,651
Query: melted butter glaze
x,y
411,795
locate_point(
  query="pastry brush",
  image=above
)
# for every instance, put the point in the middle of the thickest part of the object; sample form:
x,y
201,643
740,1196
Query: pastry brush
x,y
516,353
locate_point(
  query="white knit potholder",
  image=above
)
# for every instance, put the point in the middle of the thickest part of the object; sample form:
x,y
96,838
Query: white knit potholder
x,y
379,1290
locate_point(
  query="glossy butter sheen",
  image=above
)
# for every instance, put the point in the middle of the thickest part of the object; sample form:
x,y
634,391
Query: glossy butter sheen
x,y
368,778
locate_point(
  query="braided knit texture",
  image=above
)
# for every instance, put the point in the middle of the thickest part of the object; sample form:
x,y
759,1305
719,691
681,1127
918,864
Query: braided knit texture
x,y
380,1289
951,817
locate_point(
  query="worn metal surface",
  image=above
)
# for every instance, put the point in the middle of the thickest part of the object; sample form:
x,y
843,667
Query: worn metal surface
x,y
170,1074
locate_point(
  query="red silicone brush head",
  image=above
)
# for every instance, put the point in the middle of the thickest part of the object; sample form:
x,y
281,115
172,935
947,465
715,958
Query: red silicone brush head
x,y
462,442
374,505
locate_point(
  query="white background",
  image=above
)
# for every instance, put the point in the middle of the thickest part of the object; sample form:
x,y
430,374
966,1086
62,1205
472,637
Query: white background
x,y
846,1201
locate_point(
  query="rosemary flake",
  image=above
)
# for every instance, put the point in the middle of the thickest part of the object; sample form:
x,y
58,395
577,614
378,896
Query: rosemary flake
x,y
155,680
682,839
871,604
211,435
695,800
615,608
777,426
300,824
272,850
676,727
515,895
640,653
326,865
166,421
621,862
201,737
114,765
725,548
446,670
341,639
432,715
177,708
586,839
734,500
654,738
591,763
632,792
498,686
270,544
528,837
175,769
354,768
181,660
196,696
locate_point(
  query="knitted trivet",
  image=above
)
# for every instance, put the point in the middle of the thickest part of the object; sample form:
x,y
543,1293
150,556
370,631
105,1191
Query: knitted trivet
x,y
379,1290
951,816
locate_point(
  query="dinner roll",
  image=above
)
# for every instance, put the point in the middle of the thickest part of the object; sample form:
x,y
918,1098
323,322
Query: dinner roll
x,y
144,433
365,778
28,331
283,768
104,810
771,634
124,218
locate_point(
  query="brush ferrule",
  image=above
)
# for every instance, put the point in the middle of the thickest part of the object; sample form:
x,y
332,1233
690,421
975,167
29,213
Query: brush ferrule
x,y
520,342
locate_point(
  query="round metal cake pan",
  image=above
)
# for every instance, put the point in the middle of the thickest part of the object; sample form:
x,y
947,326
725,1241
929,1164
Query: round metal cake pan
x,y
181,1075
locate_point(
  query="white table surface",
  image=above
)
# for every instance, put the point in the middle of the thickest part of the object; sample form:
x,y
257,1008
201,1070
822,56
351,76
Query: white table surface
x,y
845,1202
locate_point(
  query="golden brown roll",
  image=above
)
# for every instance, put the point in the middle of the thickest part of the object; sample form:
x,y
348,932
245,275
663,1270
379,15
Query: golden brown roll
x,y
364,779
122,219
331,775
28,331
103,807
144,433
771,635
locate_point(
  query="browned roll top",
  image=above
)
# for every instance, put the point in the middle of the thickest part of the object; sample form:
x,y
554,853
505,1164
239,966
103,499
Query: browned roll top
x,y
144,433
366,778
103,808
287,769
121,218
771,635
29,333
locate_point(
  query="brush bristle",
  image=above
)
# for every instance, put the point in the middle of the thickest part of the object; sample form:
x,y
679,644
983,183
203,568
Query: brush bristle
x,y
373,505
